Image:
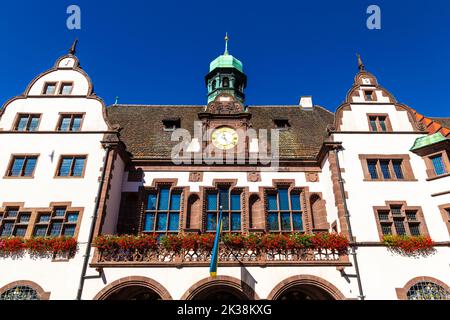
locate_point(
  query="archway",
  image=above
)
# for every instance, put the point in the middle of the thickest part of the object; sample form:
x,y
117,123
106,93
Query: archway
x,y
134,288
133,292
305,287
220,288
220,293
304,292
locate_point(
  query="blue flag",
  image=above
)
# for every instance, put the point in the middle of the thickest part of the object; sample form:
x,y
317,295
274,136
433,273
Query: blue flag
x,y
215,250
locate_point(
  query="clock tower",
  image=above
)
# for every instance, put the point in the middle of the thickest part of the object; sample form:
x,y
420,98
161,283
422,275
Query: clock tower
x,y
226,75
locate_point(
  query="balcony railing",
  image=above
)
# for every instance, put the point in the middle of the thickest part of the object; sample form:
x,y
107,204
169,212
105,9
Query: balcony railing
x,y
234,250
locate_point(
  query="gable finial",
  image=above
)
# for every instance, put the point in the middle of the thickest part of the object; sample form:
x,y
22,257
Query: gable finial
x,y
226,43
73,48
361,65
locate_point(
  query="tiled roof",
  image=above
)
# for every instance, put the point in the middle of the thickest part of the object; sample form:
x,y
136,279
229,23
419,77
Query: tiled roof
x,y
144,136
435,125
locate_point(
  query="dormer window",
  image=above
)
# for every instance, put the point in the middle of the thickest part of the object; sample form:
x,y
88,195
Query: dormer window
x,y
369,95
49,88
282,124
66,88
171,124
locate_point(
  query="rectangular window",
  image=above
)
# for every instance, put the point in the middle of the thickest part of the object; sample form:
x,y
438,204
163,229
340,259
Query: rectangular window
x,y
14,223
70,122
59,222
162,214
386,169
49,88
66,88
400,220
230,201
71,166
379,123
27,122
22,166
438,165
369,94
284,210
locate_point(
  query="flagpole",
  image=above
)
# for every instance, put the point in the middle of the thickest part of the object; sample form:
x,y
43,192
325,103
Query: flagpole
x,y
215,251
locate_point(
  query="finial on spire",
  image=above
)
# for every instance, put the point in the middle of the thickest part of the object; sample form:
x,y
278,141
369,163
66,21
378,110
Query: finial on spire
x,y
226,43
73,48
361,65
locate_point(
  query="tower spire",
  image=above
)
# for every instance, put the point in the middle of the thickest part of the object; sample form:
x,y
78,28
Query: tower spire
x,y
361,65
73,48
226,44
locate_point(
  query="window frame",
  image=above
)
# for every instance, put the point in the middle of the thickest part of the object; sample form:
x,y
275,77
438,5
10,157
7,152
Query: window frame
x,y
73,156
45,86
16,223
373,95
303,209
406,168
61,86
56,219
445,212
173,189
231,190
431,171
11,163
35,213
387,122
30,115
72,115
404,209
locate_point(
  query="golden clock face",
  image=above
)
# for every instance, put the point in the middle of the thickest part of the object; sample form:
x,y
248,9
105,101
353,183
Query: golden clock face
x,y
225,138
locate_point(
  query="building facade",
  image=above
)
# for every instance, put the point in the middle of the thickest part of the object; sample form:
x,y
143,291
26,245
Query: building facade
x,y
140,189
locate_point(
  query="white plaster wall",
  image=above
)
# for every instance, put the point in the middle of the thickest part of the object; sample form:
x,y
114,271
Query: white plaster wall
x,y
383,271
60,278
356,119
50,109
80,87
364,195
361,97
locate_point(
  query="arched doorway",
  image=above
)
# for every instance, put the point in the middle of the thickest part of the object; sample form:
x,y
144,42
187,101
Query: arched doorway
x,y
220,293
134,288
304,292
220,288
305,287
134,293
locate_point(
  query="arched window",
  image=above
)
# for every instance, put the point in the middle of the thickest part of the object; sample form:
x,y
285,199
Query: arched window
x,y
225,82
20,293
213,84
427,291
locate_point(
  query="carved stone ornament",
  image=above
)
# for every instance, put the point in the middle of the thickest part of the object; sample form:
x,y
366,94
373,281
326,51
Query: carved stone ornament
x,y
196,176
225,104
312,177
254,177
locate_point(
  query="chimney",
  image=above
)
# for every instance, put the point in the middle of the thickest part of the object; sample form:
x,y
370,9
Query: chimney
x,y
306,103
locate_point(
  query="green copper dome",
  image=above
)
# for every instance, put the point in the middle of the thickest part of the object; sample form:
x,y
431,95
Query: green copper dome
x,y
226,61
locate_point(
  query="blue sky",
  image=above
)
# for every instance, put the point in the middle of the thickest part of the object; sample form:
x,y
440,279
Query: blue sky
x,y
157,52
